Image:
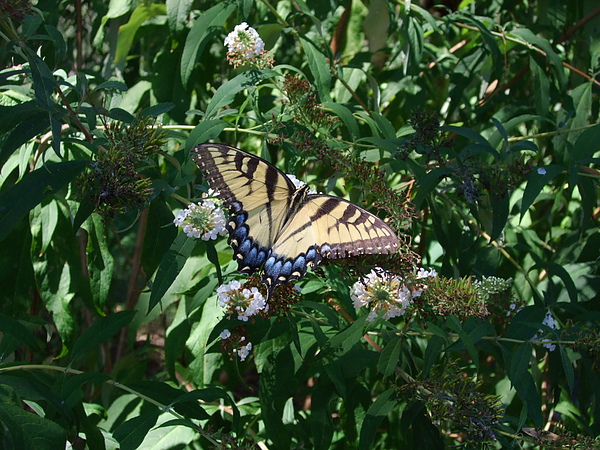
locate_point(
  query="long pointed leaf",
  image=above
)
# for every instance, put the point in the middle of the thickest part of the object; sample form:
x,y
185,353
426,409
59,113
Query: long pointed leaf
x,y
170,266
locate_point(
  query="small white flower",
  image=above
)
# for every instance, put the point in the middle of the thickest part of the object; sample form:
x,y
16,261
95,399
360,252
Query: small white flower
x,y
549,320
385,293
244,41
541,171
225,334
202,220
372,316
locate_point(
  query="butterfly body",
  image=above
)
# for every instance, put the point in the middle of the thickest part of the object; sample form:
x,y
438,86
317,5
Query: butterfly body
x,y
279,228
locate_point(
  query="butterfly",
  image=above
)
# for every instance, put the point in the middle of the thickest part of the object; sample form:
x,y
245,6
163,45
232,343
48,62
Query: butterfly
x,y
282,229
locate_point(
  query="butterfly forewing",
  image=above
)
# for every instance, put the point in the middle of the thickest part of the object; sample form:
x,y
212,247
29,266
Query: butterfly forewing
x,y
257,194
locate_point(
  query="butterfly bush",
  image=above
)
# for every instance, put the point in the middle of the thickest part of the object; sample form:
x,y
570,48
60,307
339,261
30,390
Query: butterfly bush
x,y
244,45
386,294
241,301
204,220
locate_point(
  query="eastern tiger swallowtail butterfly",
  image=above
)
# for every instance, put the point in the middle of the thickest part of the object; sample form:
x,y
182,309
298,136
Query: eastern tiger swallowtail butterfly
x,y
283,229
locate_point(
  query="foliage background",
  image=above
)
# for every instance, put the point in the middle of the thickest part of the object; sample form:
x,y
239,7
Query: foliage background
x,y
484,113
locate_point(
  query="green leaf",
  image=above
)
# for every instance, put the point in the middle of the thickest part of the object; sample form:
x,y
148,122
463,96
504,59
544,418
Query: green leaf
x,y
559,271
213,256
428,183
536,181
348,119
178,12
159,235
56,270
319,67
43,79
500,208
17,330
555,61
85,210
454,324
385,126
521,379
100,331
170,266
519,362
321,414
586,145
390,357
25,430
528,393
157,110
100,262
227,91
48,215
526,323
131,433
541,94
582,99
347,338
127,32
204,132
433,351
490,43
389,147
378,411
416,41
30,125
203,29
277,384
17,201
567,367
482,142
210,395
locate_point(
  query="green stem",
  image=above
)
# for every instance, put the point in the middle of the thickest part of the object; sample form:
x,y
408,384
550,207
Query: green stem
x,y
275,13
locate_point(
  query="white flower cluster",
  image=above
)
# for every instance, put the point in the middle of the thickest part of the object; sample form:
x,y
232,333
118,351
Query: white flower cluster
x,y
243,351
383,292
549,322
202,220
245,302
244,41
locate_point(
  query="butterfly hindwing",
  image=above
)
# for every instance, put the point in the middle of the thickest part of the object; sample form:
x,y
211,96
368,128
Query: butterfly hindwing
x,y
280,229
